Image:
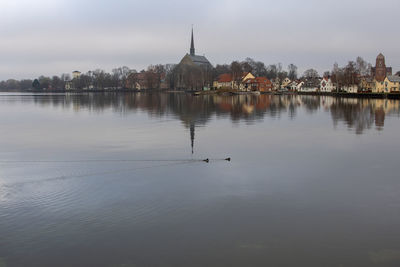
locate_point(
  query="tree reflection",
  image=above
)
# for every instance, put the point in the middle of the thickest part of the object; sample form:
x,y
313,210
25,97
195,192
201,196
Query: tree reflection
x,y
357,114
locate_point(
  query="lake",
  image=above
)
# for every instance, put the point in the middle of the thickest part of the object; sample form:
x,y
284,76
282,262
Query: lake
x,y
118,180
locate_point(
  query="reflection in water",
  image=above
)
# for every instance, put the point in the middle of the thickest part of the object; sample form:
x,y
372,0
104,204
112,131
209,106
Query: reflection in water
x,y
192,111
293,185
192,129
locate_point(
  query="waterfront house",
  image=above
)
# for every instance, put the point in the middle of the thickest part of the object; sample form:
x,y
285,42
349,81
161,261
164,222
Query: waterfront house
x,y
285,83
392,84
367,84
76,74
68,85
261,84
308,89
246,76
310,85
293,86
352,88
276,84
326,85
227,81
299,86
224,81
379,86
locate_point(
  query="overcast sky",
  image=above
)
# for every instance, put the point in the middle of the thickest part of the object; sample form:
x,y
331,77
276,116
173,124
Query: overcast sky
x,y
52,37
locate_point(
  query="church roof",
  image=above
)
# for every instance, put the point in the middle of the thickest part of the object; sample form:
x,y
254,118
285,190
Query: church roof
x,y
199,60
380,56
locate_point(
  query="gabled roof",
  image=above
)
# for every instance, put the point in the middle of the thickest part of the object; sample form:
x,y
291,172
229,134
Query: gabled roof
x,y
259,80
263,79
225,78
393,78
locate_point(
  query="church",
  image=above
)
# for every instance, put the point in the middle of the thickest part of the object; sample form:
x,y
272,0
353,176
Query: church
x,y
380,71
194,72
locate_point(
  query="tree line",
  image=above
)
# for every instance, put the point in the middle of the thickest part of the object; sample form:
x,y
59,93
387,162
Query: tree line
x,y
155,75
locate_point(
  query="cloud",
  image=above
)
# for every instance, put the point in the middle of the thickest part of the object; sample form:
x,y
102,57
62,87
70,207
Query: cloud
x,y
52,37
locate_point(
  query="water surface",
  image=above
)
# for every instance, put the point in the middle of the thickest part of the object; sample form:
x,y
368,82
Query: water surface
x,y
313,181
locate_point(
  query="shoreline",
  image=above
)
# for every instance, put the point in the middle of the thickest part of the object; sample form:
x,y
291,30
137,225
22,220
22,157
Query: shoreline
x,y
214,92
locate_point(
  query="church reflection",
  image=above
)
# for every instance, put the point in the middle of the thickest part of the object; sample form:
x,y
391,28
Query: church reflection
x,y
357,114
192,129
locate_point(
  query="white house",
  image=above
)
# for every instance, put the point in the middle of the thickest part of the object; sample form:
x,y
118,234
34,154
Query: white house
x,y
285,83
351,88
276,84
326,85
76,74
308,89
299,86
68,85
293,86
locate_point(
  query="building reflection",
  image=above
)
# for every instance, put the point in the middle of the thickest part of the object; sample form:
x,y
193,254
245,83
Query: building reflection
x,y
357,114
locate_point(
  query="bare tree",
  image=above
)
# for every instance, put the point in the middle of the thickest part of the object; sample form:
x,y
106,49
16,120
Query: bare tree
x,y
25,84
237,72
351,74
336,75
45,82
362,67
170,73
57,83
292,72
260,69
272,71
246,67
311,77
221,69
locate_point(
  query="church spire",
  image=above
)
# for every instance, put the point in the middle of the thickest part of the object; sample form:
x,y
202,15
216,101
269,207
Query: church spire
x,y
192,51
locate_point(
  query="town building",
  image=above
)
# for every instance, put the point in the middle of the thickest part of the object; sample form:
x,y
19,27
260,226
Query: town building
x,y
380,71
76,74
310,85
261,84
285,83
68,85
276,84
227,81
224,81
194,72
392,84
293,86
326,85
299,86
352,88
367,84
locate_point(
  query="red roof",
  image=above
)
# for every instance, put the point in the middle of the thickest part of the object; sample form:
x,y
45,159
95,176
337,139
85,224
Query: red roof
x,y
225,78
259,80
263,79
